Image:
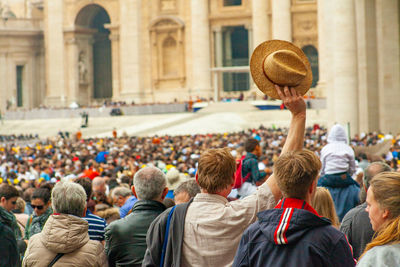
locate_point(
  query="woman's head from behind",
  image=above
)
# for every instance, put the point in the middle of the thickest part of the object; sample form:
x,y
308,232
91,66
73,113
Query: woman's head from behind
x,y
383,199
323,204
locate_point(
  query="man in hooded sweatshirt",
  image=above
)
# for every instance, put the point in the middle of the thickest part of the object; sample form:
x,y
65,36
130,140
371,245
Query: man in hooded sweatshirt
x,y
338,167
293,234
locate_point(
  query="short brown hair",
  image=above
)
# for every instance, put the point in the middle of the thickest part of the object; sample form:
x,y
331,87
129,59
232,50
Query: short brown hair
x,y
251,144
295,171
216,169
8,191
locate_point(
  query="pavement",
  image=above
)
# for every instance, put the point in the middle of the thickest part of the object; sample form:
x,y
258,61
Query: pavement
x,y
218,118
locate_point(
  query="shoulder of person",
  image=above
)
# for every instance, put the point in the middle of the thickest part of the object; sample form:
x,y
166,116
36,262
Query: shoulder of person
x,y
387,255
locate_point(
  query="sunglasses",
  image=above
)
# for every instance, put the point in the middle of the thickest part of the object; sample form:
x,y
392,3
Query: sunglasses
x,y
38,207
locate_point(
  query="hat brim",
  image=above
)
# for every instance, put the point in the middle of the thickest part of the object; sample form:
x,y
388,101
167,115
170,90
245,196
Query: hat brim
x,y
257,64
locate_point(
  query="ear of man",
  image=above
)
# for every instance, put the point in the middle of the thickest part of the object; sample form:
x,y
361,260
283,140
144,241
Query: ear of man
x,y
134,191
164,193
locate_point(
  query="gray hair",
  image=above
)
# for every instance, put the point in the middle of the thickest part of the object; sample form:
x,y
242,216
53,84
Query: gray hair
x,y
121,191
149,183
191,187
68,198
373,169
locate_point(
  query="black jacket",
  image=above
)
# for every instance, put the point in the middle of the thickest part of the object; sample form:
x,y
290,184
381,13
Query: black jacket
x,y
155,238
126,238
9,256
293,237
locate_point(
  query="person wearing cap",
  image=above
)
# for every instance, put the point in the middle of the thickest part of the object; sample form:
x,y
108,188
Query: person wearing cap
x,y
174,179
207,230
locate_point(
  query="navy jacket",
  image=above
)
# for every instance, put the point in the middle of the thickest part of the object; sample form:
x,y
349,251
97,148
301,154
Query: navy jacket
x,y
293,237
250,165
344,191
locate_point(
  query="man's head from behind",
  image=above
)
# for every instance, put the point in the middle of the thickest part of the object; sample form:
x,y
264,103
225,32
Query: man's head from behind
x,y
120,195
69,198
8,196
252,146
150,184
99,185
185,191
216,170
296,172
373,169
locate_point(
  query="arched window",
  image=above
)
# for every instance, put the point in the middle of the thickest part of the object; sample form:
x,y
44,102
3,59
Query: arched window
x,y
312,55
169,57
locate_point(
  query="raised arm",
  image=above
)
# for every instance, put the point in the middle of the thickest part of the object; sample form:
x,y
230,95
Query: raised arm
x,y
295,139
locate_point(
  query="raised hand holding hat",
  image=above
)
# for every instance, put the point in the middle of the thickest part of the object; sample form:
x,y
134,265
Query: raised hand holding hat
x,y
281,63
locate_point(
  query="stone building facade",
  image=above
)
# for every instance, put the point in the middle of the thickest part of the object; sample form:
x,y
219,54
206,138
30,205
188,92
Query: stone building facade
x,y
56,52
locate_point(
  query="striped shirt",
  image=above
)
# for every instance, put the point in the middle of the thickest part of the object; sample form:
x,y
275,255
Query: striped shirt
x,y
96,226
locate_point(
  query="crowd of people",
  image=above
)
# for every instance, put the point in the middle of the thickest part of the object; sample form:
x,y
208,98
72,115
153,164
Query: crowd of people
x,y
261,197
65,198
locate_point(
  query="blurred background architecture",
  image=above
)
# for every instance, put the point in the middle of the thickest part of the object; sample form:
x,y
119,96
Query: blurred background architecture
x,y
57,52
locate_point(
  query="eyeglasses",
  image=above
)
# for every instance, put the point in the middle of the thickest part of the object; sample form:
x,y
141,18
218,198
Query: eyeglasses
x,y
38,207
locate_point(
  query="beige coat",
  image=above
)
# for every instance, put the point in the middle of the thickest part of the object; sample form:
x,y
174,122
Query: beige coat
x,y
64,234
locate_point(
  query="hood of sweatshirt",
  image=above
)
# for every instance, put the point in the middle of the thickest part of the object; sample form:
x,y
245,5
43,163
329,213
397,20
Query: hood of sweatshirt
x,y
337,134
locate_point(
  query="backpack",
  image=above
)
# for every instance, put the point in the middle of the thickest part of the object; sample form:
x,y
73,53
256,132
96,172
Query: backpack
x,y
239,179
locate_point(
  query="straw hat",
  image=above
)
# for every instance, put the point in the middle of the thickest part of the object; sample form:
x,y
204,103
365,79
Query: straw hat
x,y
174,178
283,63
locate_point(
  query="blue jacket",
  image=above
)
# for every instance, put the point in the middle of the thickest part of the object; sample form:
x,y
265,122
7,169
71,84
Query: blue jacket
x,y
344,191
293,234
250,165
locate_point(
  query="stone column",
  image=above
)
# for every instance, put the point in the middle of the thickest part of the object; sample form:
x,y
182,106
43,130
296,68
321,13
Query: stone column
x,y
228,58
4,92
367,66
54,43
260,25
217,77
281,20
115,58
388,41
73,73
200,48
325,86
130,19
344,57
218,46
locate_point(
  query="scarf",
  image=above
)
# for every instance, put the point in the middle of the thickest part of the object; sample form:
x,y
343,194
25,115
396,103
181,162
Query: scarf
x,y
36,223
9,219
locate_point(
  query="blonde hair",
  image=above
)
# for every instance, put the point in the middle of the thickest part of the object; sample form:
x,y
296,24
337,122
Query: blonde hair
x,y
20,204
295,171
386,188
216,169
322,202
